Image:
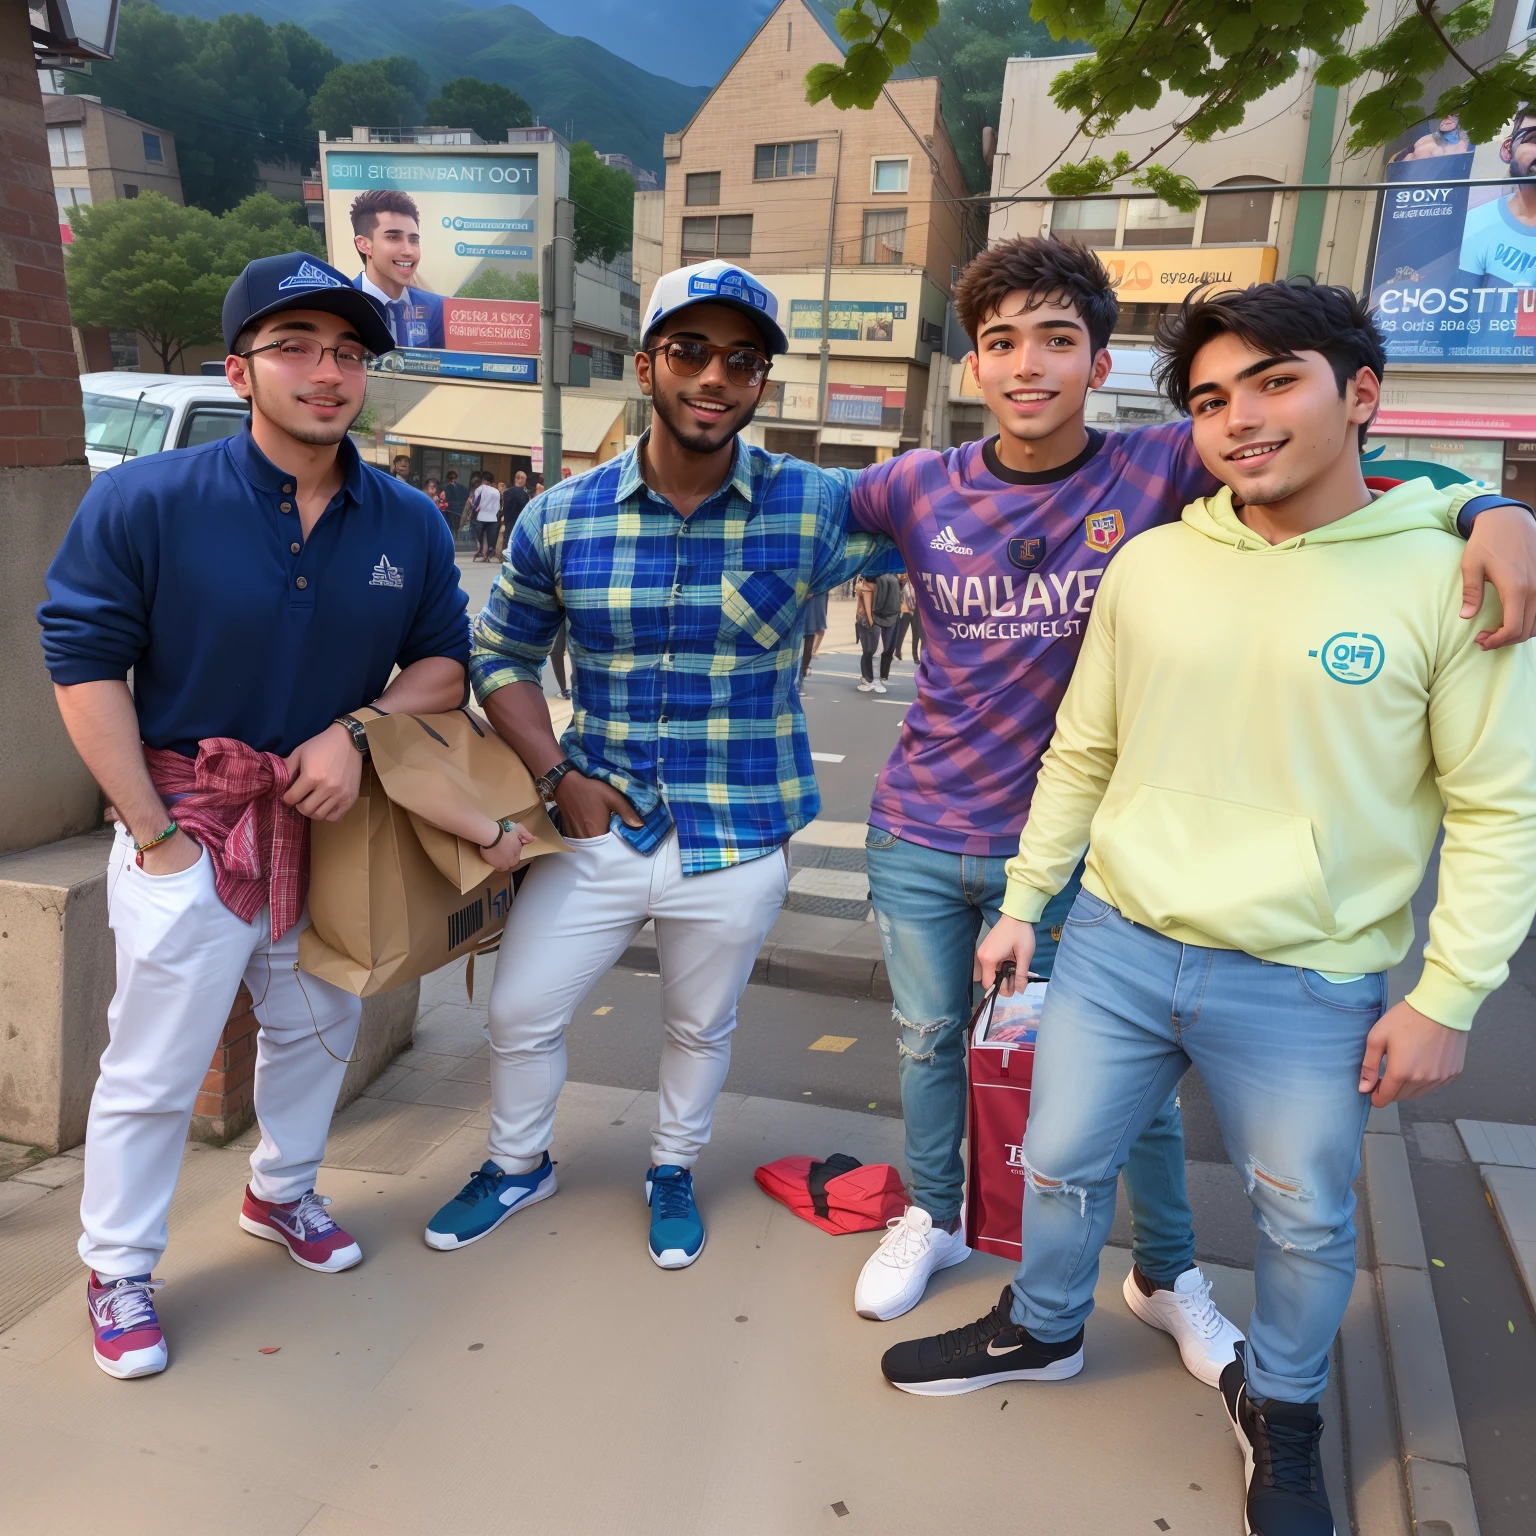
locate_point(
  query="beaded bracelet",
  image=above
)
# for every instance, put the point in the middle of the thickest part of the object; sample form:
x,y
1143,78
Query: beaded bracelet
x,y
140,849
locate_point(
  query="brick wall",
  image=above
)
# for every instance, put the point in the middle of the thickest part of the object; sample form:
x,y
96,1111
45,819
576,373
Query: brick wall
x,y
226,1103
40,419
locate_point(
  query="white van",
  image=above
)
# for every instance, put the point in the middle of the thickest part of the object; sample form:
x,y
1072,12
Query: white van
x,y
131,414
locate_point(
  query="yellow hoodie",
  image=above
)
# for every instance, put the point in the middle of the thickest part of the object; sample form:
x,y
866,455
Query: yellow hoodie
x,y
1260,742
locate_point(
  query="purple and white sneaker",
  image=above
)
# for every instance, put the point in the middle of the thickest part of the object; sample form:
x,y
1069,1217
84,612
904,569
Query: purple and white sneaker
x,y
304,1228
127,1332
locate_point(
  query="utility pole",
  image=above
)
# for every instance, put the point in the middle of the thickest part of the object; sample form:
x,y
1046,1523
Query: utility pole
x,y
557,306
826,302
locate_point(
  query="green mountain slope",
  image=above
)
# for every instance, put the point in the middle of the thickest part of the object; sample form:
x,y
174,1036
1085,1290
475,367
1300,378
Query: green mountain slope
x,y
573,84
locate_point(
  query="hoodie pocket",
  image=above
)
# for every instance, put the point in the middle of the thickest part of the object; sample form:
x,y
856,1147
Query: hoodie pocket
x,y
1245,876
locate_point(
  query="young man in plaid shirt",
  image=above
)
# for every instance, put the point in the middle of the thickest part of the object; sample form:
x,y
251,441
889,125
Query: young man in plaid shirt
x,y
684,567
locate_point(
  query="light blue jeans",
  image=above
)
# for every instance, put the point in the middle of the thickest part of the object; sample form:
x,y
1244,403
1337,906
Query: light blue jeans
x,y
1279,1049
929,907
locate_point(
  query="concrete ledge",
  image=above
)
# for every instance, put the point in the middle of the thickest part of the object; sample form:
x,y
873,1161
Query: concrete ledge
x,y
1377,1491
1432,1453
57,969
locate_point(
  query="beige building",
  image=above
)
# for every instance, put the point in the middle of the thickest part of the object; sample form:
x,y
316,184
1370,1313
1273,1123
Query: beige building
x,y
99,154
760,177
1253,224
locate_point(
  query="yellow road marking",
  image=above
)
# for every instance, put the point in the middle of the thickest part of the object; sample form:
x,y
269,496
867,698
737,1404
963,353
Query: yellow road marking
x,y
597,1013
834,1042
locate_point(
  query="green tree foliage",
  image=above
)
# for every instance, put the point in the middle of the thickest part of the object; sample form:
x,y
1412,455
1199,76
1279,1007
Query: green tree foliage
x,y
489,109
491,284
605,205
150,265
233,91
969,51
1222,55
380,92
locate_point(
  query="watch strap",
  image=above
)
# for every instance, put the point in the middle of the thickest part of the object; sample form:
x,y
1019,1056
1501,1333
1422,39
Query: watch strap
x,y
547,782
356,730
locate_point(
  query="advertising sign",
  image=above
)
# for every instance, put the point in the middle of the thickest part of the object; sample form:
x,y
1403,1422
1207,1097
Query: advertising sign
x,y
847,319
448,243
1144,276
1454,273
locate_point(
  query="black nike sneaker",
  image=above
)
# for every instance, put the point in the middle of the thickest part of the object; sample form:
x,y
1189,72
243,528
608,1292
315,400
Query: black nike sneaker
x,y
1282,1460
993,1348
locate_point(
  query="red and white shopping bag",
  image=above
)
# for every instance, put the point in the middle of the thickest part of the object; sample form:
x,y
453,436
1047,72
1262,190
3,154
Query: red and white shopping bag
x,y
1001,1053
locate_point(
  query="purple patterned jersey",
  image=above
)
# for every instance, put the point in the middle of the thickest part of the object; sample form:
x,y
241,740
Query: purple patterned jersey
x,y
1004,566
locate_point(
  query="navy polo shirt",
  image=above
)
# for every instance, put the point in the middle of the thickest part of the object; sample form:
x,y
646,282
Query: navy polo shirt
x,y
189,568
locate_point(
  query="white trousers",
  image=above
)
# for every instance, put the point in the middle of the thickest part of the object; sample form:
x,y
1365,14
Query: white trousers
x,y
181,956
574,916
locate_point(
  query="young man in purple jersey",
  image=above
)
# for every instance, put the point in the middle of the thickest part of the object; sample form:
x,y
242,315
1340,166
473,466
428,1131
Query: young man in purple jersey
x,y
1006,542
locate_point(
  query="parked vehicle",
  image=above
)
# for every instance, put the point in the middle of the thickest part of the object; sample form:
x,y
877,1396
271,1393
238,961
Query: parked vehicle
x,y
131,414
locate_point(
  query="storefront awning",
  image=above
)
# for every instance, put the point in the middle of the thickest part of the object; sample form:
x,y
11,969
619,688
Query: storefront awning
x,y
480,420
1453,424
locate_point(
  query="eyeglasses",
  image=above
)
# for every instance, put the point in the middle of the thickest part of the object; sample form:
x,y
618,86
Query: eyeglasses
x,y
688,359
306,352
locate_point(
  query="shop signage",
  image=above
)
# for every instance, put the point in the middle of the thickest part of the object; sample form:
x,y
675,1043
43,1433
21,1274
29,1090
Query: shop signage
x,y
1453,424
1165,277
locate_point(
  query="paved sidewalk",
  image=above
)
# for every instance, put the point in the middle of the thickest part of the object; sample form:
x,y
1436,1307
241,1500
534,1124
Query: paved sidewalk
x,y
551,1379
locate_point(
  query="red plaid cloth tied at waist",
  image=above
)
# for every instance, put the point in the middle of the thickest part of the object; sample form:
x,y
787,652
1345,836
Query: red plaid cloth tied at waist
x,y
229,799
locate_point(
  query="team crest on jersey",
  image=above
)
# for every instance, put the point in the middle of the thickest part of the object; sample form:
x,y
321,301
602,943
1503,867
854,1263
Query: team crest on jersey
x,y
1103,530
1026,553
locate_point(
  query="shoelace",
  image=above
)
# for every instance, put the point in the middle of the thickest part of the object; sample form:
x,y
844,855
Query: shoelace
x,y
672,1199
1288,1459
1201,1311
902,1243
480,1185
129,1304
974,1336
309,1212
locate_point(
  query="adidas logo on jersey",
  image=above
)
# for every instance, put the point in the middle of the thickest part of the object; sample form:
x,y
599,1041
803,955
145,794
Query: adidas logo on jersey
x,y
947,542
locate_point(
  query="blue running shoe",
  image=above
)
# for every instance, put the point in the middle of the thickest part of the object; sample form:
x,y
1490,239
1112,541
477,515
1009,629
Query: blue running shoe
x,y
677,1230
486,1201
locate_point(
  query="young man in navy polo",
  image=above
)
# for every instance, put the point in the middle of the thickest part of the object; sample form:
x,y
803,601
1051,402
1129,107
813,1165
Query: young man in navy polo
x,y
260,589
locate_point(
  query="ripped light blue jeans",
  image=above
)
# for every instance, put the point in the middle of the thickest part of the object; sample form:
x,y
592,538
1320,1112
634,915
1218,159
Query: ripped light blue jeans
x,y
1279,1049
930,906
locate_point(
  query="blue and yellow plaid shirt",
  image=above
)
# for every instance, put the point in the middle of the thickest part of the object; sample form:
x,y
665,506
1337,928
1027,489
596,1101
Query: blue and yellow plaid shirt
x,y
685,641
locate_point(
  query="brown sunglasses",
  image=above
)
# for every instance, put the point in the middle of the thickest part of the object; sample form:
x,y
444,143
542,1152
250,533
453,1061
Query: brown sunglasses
x,y
688,358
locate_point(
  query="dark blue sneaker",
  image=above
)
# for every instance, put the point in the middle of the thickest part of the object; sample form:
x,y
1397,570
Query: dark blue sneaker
x,y
677,1231
486,1201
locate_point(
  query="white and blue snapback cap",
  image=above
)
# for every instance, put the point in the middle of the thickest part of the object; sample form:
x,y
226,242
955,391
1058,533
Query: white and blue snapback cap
x,y
716,282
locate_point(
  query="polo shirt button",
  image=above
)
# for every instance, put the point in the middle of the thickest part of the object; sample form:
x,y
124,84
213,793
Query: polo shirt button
x,y
287,490
293,549
302,582
285,506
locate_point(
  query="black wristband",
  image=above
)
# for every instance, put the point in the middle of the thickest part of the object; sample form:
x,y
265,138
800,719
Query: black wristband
x,y
546,782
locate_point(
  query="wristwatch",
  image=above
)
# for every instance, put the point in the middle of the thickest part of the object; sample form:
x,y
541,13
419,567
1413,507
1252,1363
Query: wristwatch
x,y
354,729
546,782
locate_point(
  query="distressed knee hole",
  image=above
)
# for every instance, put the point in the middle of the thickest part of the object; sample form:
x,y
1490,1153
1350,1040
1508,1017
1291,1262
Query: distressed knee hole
x,y
1294,1244
1258,1177
1043,1184
914,1037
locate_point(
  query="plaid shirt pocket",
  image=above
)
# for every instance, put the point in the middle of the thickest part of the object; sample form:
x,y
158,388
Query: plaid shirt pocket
x,y
760,605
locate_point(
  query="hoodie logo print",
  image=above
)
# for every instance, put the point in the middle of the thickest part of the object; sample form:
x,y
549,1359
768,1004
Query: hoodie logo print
x,y
945,540
1352,656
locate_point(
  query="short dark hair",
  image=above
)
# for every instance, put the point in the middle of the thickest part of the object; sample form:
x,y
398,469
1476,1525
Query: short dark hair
x,y
367,207
453,474
1294,315
1048,270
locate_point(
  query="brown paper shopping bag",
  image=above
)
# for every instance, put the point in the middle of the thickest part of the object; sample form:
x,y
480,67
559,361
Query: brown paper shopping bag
x,y
391,896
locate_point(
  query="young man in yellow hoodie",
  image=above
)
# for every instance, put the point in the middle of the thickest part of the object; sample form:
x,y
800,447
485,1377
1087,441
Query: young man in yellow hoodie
x,y
1275,708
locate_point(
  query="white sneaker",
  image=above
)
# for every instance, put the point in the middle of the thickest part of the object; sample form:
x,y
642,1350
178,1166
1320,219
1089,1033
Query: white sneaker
x,y
1207,1341
881,688
866,687
896,1274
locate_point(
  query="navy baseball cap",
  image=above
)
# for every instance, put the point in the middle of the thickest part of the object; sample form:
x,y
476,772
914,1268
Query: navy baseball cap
x,y
297,281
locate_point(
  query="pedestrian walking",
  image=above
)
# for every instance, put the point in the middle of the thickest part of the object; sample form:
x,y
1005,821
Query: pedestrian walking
x,y
485,509
815,631
252,648
910,622
879,607
513,500
683,567
457,494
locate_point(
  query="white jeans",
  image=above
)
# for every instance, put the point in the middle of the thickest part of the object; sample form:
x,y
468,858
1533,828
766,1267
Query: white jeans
x,y
574,916
181,956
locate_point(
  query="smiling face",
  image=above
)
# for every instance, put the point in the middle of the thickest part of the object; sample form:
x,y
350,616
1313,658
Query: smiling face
x,y
1035,366
312,402
391,252
705,412
1270,426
